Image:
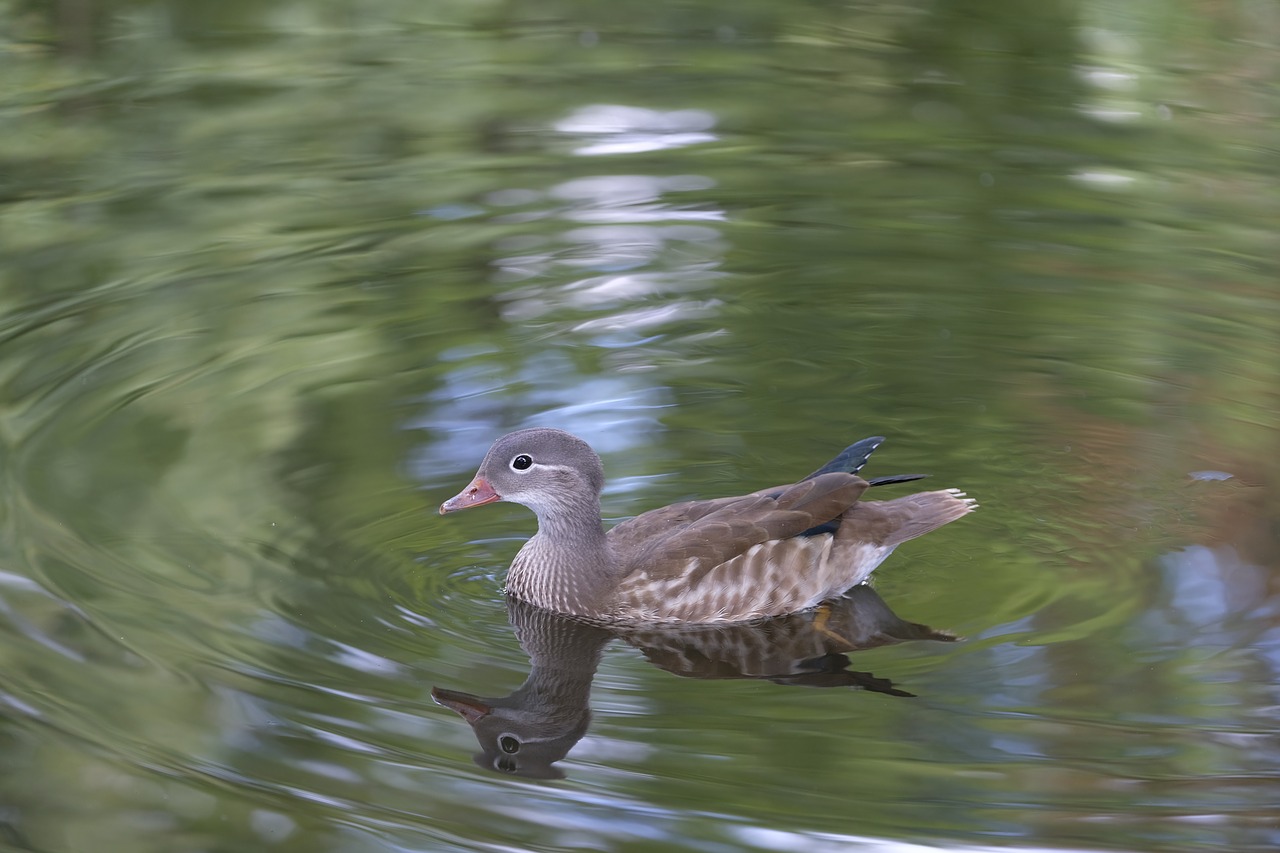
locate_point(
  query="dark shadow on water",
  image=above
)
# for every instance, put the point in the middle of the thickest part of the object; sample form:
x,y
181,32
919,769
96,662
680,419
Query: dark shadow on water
x,y
526,732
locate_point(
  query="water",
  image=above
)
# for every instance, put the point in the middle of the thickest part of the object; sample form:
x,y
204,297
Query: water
x,y
273,275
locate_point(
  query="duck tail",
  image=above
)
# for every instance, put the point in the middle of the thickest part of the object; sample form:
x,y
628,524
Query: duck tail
x,y
916,515
895,478
851,459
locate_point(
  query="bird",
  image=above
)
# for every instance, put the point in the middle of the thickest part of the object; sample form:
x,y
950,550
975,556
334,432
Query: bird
x,y
773,552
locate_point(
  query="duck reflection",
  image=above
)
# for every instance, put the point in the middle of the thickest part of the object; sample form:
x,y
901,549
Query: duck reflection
x,y
526,732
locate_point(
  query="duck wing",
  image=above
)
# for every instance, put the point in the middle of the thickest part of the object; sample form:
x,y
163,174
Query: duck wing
x,y
687,540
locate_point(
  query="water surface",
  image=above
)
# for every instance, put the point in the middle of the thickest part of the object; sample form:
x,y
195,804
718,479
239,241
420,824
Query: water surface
x,y
274,275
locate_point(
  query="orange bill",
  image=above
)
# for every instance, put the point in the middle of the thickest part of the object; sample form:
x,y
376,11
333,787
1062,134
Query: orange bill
x,y
477,493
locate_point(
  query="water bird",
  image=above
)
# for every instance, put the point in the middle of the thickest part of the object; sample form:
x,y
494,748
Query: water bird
x,y
773,552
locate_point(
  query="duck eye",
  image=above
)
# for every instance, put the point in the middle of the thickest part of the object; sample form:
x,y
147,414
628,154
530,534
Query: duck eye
x,y
521,462
508,744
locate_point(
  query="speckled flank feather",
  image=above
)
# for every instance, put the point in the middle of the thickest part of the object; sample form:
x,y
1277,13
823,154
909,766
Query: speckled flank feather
x,y
769,579
780,576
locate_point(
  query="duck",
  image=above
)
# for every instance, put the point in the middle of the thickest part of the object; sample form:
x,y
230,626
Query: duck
x,y
773,552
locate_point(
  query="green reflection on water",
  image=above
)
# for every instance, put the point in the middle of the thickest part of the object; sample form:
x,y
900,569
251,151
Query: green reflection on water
x,y
274,274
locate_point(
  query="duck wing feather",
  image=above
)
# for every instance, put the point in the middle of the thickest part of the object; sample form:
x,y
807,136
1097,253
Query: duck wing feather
x,y
694,537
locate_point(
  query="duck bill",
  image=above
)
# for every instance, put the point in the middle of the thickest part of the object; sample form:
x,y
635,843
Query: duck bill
x,y
470,708
477,493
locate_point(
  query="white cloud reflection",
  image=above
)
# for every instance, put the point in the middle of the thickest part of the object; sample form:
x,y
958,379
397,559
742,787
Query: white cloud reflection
x,y
644,252
599,279
479,396
616,129
784,841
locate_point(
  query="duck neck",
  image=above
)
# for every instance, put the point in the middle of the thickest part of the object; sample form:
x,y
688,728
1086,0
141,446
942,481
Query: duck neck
x,y
568,566
573,523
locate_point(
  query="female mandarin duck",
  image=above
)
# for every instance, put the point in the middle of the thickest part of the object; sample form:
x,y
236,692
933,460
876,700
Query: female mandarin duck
x,y
769,553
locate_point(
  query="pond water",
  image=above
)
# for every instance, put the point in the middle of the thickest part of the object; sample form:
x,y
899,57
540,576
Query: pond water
x,y
274,274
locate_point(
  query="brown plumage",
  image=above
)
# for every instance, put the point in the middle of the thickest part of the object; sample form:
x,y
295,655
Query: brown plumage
x,y
765,554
